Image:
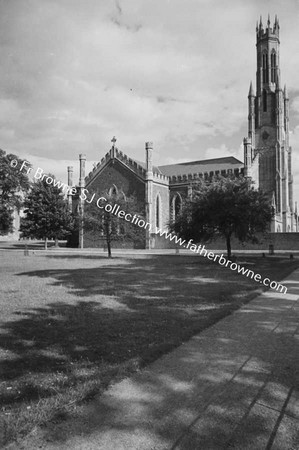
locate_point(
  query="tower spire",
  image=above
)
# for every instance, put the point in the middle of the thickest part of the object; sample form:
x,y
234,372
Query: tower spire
x,y
251,92
261,23
276,26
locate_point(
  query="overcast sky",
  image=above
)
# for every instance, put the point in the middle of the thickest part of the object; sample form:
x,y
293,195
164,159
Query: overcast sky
x,y
74,73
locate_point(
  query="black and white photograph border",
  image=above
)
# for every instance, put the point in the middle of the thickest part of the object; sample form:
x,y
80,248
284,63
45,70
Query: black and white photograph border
x,y
149,234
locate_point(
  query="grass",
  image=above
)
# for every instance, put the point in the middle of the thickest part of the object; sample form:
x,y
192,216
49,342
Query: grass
x,y
72,325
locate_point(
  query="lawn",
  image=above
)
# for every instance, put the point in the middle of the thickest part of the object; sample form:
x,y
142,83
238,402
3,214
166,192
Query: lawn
x,y
72,325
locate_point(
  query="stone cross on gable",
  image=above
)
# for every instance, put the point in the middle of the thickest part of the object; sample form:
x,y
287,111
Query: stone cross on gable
x,y
113,148
113,140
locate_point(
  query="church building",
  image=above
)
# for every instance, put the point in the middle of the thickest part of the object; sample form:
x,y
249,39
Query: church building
x,y
267,157
161,189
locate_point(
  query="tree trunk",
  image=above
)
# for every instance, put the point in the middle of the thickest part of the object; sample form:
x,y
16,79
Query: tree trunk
x,y
228,246
109,248
108,236
46,243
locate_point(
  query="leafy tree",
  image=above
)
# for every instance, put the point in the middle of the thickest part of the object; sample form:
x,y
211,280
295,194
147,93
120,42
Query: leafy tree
x,y
108,226
224,207
13,184
47,215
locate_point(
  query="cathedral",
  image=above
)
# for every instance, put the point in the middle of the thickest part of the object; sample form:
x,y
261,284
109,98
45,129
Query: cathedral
x,y
162,189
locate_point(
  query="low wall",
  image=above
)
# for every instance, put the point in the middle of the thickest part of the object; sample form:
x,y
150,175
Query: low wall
x,y
280,241
285,241
90,242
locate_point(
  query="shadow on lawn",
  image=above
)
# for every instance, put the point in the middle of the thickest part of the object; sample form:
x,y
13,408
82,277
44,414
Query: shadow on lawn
x,y
223,390
128,312
127,316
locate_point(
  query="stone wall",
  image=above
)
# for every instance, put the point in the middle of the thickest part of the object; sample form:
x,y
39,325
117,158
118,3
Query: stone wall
x,y
91,241
280,241
117,174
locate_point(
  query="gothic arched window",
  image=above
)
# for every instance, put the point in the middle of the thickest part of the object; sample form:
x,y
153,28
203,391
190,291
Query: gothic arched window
x,y
176,206
114,193
273,67
265,68
113,190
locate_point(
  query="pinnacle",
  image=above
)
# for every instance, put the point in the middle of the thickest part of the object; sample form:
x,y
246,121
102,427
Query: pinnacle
x,y
251,92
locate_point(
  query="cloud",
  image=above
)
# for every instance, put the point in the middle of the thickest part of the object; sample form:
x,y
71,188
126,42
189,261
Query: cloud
x,y
73,74
48,165
222,151
294,107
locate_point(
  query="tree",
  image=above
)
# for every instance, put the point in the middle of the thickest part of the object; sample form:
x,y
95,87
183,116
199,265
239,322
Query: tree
x,y
224,207
13,184
106,225
47,215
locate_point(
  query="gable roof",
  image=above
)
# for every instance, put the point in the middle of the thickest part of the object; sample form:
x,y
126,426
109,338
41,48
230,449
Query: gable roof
x,y
115,155
205,165
139,168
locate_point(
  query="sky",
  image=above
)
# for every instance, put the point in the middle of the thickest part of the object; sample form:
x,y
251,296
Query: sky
x,y
75,73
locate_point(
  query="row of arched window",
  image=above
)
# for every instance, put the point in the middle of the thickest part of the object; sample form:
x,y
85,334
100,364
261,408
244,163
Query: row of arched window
x,y
175,207
265,67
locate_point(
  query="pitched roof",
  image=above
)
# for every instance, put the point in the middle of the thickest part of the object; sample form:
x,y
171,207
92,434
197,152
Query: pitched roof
x,y
206,165
143,164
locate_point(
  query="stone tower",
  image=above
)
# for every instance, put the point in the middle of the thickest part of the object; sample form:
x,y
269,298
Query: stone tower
x,y
267,155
